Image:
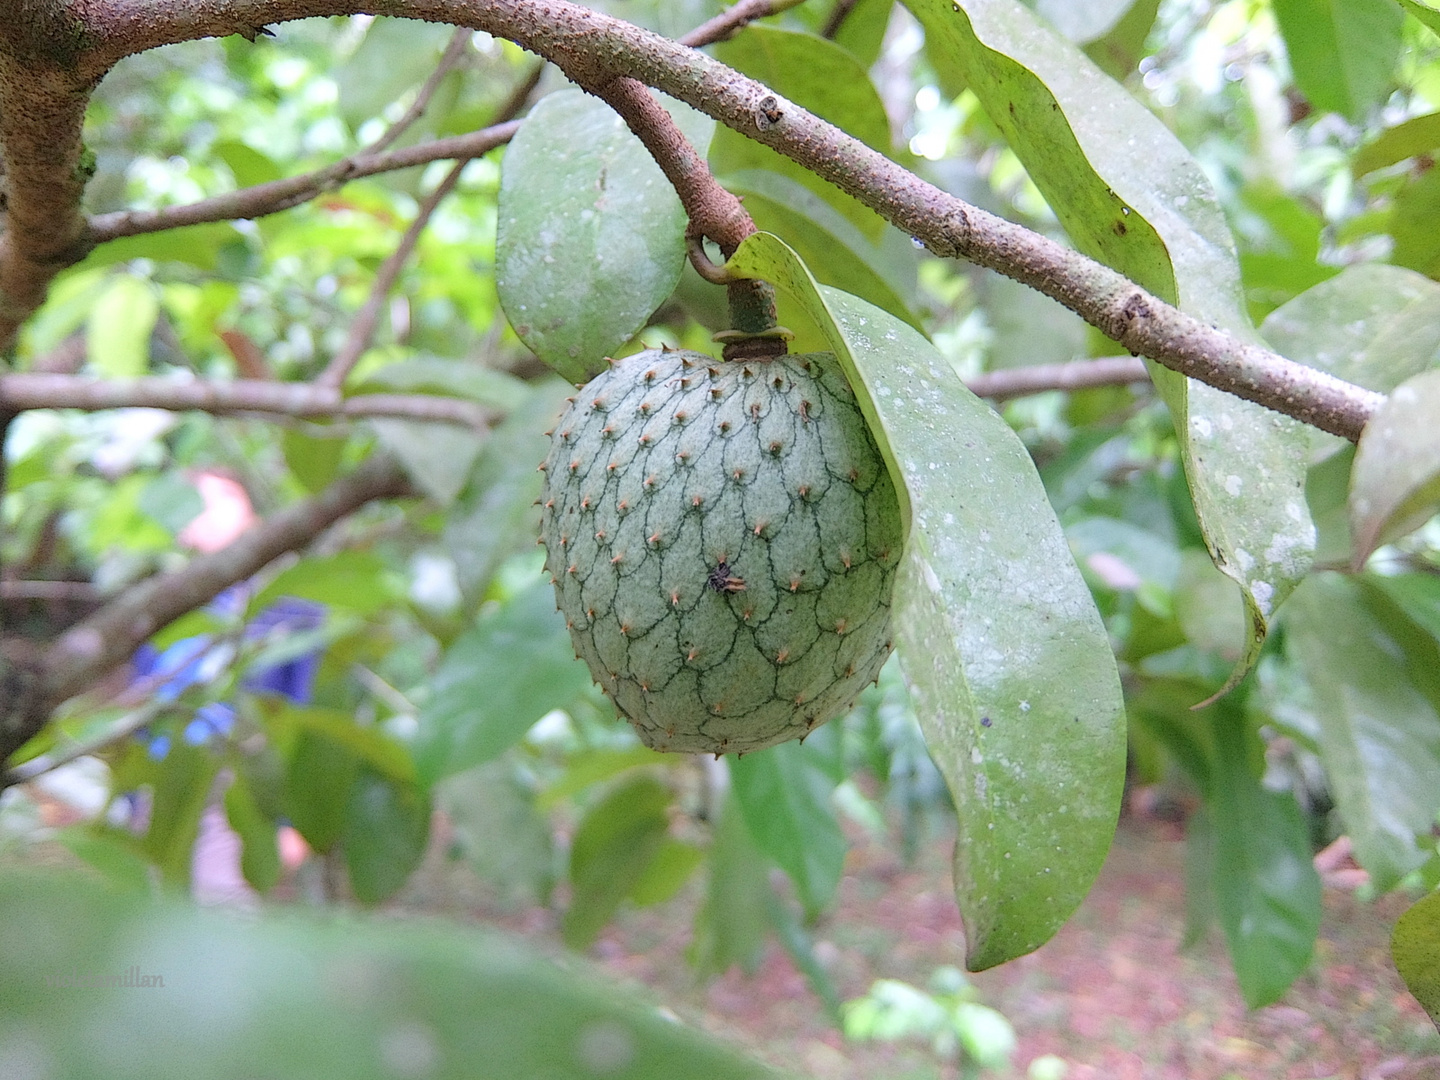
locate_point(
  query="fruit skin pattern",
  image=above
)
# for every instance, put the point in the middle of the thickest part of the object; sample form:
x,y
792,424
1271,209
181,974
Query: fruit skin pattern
x,y
723,538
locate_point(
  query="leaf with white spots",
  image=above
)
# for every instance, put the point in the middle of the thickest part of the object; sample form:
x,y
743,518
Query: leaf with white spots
x,y
1395,482
590,238
1129,194
1008,663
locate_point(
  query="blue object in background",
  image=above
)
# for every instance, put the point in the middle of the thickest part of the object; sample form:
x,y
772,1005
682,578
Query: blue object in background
x,y
195,660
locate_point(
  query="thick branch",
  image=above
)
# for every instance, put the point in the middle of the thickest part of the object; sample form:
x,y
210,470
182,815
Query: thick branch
x,y
20,392
591,47
109,637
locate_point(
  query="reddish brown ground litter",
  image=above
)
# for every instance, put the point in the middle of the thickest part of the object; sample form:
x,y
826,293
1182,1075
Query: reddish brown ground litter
x,y
1111,994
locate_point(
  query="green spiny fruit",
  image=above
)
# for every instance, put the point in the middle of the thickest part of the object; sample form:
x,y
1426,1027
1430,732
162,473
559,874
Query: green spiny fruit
x,y
723,538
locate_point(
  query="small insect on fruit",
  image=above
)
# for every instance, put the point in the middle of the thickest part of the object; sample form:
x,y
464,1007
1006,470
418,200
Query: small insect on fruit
x,y
722,580
777,472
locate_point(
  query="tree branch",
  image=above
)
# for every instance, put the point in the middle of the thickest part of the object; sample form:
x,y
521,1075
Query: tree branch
x,y
453,52
110,636
591,48
23,391
1077,375
362,326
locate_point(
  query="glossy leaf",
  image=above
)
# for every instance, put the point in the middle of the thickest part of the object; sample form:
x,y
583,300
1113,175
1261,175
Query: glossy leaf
x,y
1129,194
119,329
512,668
1380,729
1395,483
613,847
1342,52
819,76
259,851
591,236
1083,23
1009,666
785,799
1418,595
311,998
1415,945
1267,893
825,239
387,824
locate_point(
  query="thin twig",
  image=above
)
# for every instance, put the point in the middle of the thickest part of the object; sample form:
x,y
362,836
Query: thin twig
x,y
453,52
838,14
362,327
1077,375
122,729
109,637
25,391
732,19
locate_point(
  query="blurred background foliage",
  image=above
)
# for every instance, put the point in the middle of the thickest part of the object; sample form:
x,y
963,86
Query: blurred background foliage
x,y
442,709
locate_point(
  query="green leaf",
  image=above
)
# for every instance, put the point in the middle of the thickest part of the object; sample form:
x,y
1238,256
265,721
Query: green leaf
x,y
1415,945
494,514
1395,483
312,995
512,668
444,378
114,852
394,55
1424,12
1372,324
674,862
1199,878
438,457
801,948
613,847
387,825
1130,195
1267,893
1009,665
181,791
118,331
1412,224
500,832
1342,52
817,75
786,802
1118,52
259,851
880,273
1416,136
863,31
195,245
591,236
314,460
1418,595
353,580
319,773
247,165
730,926
1380,729
171,501
1084,23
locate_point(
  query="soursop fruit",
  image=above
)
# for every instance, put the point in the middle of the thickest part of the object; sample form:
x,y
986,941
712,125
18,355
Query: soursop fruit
x,y
723,538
